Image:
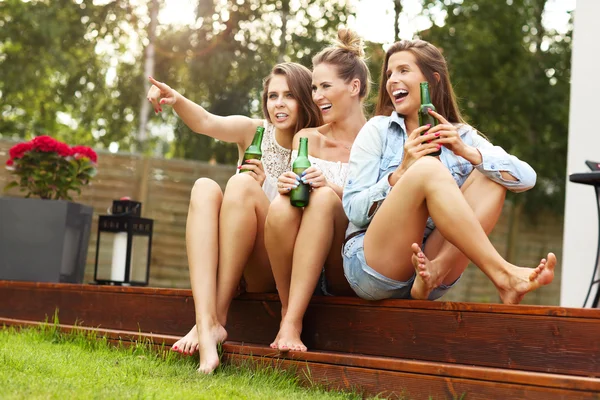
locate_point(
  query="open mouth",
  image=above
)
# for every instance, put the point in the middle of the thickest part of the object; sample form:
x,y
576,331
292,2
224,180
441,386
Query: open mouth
x,y
325,107
281,116
399,94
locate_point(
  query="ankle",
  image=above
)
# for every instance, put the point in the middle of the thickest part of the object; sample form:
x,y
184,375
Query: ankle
x,y
207,322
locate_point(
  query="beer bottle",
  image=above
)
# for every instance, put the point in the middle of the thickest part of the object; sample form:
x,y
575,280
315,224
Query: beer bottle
x,y
299,195
254,152
424,116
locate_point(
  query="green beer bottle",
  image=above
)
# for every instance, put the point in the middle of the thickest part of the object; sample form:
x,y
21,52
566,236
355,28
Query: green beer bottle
x,y
424,116
254,152
299,196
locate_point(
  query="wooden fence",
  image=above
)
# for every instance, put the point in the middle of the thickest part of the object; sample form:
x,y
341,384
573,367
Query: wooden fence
x,y
163,187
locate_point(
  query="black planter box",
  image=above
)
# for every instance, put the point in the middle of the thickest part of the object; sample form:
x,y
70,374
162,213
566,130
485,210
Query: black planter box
x,y
43,240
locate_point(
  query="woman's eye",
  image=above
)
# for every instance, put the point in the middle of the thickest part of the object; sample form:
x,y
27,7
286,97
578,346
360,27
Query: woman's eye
x,y
289,96
272,96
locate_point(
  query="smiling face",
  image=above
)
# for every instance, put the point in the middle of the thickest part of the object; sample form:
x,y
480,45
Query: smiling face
x,y
282,106
330,93
403,84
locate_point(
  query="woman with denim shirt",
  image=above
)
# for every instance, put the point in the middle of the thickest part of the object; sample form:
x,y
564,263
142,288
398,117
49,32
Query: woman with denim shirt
x,y
417,220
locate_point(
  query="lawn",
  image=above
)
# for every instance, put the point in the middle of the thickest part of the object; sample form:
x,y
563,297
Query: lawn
x,y
44,363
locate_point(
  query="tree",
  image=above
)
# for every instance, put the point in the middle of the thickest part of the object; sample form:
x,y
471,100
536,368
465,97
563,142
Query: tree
x,y
52,80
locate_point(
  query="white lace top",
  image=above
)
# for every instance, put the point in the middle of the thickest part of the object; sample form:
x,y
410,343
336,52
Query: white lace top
x,y
275,159
335,171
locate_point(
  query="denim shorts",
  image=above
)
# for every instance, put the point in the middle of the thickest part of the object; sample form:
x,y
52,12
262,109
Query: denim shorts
x,y
370,284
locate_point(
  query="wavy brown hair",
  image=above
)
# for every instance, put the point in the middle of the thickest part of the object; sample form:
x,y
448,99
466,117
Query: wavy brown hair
x,y
430,61
299,80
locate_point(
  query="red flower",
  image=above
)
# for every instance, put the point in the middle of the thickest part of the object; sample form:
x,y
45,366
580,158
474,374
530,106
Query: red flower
x,y
18,150
10,162
46,144
84,151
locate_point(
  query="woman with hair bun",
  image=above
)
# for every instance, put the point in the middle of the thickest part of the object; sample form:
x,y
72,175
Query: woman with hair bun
x,y
300,241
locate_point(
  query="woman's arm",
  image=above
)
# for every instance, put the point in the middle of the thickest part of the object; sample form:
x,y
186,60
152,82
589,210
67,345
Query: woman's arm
x,y
364,191
499,166
233,129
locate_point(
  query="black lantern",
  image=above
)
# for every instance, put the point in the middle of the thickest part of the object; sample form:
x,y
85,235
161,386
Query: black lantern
x,y
125,261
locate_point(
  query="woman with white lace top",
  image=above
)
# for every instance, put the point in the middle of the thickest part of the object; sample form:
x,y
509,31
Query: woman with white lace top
x,y
300,241
225,231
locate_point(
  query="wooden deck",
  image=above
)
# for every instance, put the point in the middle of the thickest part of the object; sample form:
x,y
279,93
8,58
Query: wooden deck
x,y
416,349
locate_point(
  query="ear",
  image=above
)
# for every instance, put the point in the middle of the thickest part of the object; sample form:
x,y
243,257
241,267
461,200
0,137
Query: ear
x,y
437,77
354,87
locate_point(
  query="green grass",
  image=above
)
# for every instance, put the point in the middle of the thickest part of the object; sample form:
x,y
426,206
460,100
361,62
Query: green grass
x,y
42,363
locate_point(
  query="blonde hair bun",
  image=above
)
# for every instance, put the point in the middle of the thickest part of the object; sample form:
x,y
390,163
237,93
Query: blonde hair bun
x,y
349,41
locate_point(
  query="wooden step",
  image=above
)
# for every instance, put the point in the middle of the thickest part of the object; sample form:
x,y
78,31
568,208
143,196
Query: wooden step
x,y
383,376
439,346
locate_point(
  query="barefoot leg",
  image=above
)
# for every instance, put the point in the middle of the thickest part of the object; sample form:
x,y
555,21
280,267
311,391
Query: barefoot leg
x,y
281,231
443,262
202,249
427,187
320,221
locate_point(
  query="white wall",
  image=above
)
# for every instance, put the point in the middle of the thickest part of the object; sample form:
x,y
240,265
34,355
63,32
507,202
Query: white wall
x,y
580,238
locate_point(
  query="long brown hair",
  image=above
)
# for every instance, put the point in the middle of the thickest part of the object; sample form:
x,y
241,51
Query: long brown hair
x,y
430,61
347,55
299,80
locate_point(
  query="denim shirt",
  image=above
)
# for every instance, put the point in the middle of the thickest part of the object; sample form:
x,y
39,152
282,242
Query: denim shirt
x,y
378,150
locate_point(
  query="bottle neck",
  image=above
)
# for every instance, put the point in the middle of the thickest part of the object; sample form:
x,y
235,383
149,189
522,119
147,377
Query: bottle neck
x,y
425,98
303,148
258,137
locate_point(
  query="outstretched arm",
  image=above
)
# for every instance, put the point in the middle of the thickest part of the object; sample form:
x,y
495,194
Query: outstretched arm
x,y
233,129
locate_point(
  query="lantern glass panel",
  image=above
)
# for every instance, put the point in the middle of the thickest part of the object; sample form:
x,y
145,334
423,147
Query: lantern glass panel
x,y
112,252
139,258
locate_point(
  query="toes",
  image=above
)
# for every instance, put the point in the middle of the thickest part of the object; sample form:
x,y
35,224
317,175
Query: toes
x,y
415,248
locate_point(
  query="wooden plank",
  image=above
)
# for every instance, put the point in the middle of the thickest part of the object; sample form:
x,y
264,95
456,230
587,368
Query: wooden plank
x,y
389,384
380,375
530,338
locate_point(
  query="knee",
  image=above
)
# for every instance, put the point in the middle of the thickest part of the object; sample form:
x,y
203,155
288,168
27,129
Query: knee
x,y
240,186
204,190
281,213
323,198
492,189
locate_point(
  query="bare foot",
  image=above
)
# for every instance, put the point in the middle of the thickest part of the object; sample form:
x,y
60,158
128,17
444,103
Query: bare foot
x,y
428,276
210,335
188,344
525,280
288,337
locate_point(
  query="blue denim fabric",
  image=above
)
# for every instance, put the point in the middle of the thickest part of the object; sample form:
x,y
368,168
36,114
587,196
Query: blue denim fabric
x,y
370,284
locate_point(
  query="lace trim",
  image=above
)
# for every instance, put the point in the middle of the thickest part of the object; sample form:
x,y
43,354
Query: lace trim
x,y
275,158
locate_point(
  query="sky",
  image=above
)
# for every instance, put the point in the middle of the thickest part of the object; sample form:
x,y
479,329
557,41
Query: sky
x,y
374,18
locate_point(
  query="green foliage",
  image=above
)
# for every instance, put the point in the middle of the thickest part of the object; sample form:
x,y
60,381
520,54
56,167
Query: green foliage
x,y
51,78
512,80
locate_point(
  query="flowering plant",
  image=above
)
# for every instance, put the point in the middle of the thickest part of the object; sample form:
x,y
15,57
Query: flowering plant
x,y
50,169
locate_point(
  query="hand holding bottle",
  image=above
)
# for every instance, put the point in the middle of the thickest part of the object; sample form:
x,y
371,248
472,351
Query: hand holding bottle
x,y
448,136
287,181
314,177
159,94
255,169
417,145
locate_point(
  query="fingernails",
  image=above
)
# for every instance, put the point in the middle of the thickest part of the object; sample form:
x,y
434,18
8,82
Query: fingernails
x,y
162,101
303,179
439,146
174,347
303,173
428,125
437,134
297,178
288,189
240,167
